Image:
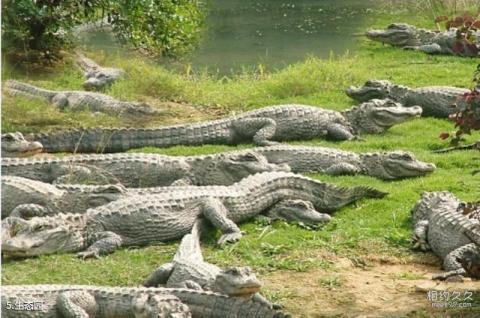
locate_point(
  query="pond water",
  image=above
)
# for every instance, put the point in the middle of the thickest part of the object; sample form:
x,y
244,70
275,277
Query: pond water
x,y
242,34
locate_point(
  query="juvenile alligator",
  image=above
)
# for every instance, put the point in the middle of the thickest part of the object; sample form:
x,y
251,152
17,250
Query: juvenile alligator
x,y
15,145
60,301
97,77
147,219
452,236
264,127
436,101
189,270
431,42
143,170
79,100
26,198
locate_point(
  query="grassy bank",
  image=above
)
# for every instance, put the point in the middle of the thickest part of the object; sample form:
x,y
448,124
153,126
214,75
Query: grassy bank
x,y
379,227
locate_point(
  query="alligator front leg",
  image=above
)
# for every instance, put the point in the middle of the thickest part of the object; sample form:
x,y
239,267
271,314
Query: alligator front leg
x,y
420,236
433,48
27,211
264,129
259,298
104,243
159,276
339,132
461,262
216,213
76,304
342,168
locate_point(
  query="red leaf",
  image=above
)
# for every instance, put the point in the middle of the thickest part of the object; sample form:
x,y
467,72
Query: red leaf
x,y
444,135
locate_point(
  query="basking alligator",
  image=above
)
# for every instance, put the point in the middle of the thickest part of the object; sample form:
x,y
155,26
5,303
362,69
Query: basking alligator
x,y
143,170
431,42
189,270
15,145
455,238
147,219
59,301
79,100
264,127
436,101
26,198
98,77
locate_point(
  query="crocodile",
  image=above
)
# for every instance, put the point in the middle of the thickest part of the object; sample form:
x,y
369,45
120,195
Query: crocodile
x,y
142,170
79,100
264,126
148,219
97,77
452,236
58,301
25,198
436,101
189,270
431,42
15,145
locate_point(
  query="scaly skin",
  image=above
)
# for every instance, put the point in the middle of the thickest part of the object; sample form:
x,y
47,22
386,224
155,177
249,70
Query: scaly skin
x,y
148,219
58,301
410,37
26,198
97,77
264,126
78,100
436,101
143,170
15,145
452,236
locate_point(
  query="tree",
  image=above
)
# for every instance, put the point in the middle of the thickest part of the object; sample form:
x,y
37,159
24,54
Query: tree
x,y
163,27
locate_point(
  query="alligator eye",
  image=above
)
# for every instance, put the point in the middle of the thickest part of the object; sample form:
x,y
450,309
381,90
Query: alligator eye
x,y
7,137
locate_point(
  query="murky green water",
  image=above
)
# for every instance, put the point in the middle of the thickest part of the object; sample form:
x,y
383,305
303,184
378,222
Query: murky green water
x,y
245,33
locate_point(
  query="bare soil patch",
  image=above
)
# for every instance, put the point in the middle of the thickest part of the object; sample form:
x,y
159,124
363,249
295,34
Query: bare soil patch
x,y
387,287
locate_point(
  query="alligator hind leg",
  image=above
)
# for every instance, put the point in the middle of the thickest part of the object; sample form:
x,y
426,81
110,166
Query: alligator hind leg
x,y
420,236
216,213
464,261
159,276
264,129
77,304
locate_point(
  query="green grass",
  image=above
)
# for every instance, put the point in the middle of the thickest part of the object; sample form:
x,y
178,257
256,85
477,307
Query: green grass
x,y
369,226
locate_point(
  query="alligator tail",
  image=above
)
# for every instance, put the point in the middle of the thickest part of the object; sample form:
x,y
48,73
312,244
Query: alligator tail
x,y
18,88
190,245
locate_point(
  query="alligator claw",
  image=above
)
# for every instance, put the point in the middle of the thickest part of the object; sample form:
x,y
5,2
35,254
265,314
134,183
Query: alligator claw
x,y
88,254
230,238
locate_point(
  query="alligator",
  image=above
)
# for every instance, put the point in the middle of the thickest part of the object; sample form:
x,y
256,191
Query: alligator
x,y
58,301
431,42
97,77
436,101
264,126
142,170
15,145
148,219
442,228
26,198
189,270
79,100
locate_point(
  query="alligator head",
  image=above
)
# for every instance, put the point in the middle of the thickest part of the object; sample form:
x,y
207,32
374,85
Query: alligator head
x,y
298,211
397,34
38,236
378,115
395,165
86,197
370,90
15,145
234,167
237,281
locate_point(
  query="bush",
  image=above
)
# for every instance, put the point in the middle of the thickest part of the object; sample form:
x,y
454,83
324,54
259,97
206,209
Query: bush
x,y
161,27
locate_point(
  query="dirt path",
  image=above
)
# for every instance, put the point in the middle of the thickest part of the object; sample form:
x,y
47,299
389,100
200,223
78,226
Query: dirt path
x,y
382,289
